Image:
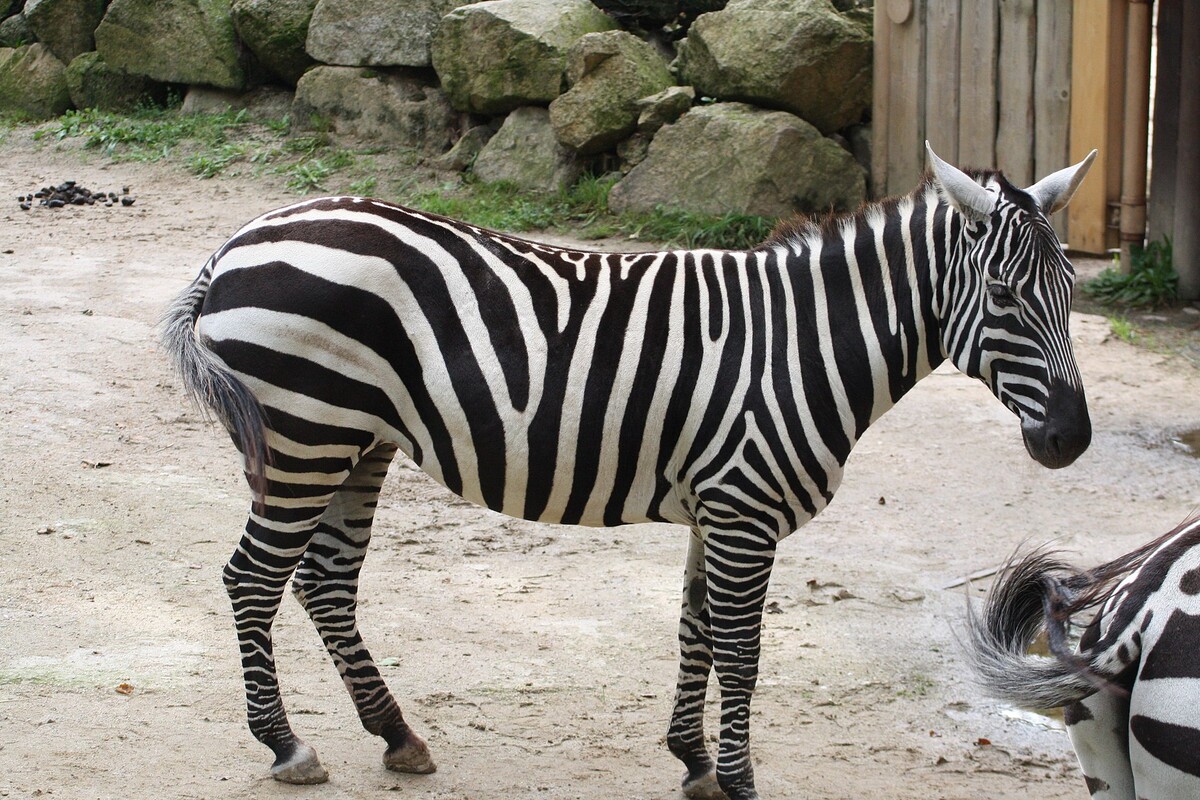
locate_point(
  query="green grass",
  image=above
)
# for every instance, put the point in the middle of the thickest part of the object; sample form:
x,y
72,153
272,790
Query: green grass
x,y
1151,281
583,210
1122,328
209,145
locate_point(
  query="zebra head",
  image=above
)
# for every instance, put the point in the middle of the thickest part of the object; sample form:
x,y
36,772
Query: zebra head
x,y
1007,298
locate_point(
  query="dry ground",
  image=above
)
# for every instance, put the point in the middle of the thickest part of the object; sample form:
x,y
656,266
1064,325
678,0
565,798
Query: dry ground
x,y
538,661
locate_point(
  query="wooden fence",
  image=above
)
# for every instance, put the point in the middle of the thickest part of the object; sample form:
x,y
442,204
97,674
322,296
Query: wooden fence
x,y
987,83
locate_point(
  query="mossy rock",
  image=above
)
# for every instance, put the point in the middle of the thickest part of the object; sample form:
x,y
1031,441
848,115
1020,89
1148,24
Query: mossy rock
x,y
276,32
174,41
495,56
32,82
65,26
93,83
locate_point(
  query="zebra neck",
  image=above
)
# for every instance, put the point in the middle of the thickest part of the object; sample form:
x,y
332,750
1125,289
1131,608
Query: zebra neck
x,y
872,283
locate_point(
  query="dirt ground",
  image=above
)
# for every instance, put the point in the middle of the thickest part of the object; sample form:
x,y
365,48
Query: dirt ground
x,y
538,661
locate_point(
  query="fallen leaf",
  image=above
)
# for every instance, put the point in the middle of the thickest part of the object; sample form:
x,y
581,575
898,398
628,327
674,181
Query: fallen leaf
x,y
982,742
125,688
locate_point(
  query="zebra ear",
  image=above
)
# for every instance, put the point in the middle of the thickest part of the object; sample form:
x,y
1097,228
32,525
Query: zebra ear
x,y
1053,192
959,190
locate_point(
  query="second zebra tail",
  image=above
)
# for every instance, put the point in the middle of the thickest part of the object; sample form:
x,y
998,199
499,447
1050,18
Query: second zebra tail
x,y
1032,593
212,385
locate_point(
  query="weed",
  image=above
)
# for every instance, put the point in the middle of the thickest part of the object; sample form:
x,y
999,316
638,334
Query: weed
x,y
1122,328
1151,280
364,187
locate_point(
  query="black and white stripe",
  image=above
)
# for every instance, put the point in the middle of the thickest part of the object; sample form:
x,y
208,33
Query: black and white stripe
x,y
1130,688
718,390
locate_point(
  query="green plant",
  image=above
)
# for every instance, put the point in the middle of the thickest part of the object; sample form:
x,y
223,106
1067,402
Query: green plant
x,y
1151,280
1122,328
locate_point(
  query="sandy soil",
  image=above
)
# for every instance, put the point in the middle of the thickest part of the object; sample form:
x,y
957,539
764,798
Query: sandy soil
x,y
539,661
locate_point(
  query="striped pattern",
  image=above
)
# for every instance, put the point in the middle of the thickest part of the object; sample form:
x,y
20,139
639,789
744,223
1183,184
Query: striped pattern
x,y
718,390
1130,689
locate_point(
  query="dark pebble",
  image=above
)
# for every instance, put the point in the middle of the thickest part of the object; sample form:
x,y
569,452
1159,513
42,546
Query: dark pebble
x,y
128,201
56,203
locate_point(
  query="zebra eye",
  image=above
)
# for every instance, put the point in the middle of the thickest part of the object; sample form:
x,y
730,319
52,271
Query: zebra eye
x,y
1001,295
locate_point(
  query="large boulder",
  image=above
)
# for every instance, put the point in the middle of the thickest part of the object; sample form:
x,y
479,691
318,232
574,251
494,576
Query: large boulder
x,y
174,41
376,32
390,108
275,31
32,82
800,56
65,26
499,55
525,153
664,108
735,158
608,73
15,32
92,83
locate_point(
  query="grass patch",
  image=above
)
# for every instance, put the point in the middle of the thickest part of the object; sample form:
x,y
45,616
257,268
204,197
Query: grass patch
x,y
1151,282
583,210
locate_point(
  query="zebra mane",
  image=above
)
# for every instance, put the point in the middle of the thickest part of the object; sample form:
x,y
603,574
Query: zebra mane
x,y
801,226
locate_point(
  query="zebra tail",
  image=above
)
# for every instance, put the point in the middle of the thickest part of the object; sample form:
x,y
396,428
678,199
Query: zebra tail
x,y
1031,594
212,386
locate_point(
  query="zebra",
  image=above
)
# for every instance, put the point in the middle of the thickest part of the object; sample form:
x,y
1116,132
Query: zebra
x,y
1129,692
715,389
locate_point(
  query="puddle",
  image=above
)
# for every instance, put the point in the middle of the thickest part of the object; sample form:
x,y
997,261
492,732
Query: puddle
x,y
1188,442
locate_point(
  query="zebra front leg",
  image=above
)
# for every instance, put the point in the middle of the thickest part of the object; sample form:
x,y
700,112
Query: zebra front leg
x,y
738,569
685,737
255,578
326,585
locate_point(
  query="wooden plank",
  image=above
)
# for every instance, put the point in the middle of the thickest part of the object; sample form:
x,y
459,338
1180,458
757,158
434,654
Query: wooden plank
x,y
1091,97
977,89
1014,132
942,77
1186,243
1164,149
881,103
906,113
1052,95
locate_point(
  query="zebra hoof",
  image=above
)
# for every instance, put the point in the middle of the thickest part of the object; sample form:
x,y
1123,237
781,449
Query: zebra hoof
x,y
302,767
704,787
412,756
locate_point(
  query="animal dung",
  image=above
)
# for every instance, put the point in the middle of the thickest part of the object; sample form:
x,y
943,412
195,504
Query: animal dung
x,y
69,193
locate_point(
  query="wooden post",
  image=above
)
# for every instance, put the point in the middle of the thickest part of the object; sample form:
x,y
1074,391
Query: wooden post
x,y
1186,244
1136,119
1097,85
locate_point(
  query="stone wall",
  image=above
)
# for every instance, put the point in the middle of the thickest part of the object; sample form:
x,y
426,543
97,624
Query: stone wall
x,y
712,106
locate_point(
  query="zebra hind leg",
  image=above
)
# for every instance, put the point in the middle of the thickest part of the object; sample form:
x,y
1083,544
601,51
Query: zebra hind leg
x,y
685,737
326,584
255,578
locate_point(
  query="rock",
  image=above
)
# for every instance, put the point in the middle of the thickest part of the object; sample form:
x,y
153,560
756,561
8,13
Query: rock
x,y
397,108
733,157
275,31
32,82
526,153
376,32
664,108
608,73
464,152
65,26
15,32
261,104
498,55
800,56
92,83
174,41
633,151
